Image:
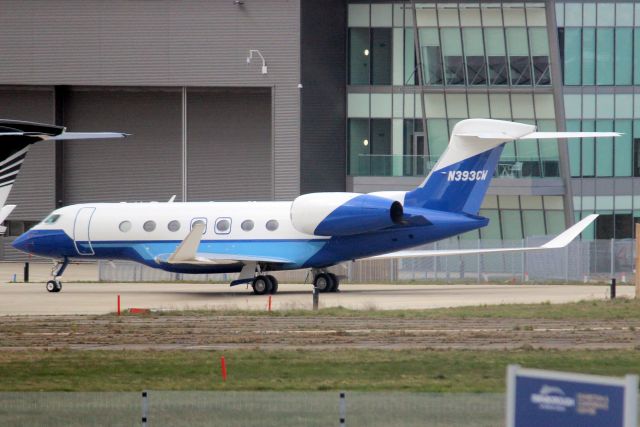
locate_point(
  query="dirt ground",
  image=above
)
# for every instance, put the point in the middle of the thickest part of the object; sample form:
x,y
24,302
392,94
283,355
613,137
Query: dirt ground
x,y
224,332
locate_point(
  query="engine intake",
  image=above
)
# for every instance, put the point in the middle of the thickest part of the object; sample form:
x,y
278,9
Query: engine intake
x,y
344,214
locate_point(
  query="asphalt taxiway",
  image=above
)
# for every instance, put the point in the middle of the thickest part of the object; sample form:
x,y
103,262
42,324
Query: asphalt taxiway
x,y
100,298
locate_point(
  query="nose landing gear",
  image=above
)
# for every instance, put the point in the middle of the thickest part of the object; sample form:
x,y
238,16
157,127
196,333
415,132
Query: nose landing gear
x,y
55,285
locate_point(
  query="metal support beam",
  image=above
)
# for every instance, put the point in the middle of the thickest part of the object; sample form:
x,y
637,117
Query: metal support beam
x,y
59,94
184,144
558,105
420,73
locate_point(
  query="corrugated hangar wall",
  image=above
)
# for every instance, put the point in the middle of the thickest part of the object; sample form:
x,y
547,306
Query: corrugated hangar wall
x,y
229,141
159,44
145,166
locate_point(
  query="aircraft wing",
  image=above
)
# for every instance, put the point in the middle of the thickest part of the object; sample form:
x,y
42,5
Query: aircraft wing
x,y
187,253
560,241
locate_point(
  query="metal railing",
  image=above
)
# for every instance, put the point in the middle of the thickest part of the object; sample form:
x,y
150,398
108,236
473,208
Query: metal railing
x,y
581,261
415,165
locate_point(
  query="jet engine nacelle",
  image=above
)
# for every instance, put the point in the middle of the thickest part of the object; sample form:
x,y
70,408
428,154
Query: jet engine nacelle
x,y
343,214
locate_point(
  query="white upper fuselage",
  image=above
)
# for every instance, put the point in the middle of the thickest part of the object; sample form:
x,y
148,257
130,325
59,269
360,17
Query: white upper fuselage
x,y
104,224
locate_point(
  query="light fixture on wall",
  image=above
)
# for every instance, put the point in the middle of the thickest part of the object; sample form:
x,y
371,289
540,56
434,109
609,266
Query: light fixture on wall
x,y
365,142
366,52
238,2
250,57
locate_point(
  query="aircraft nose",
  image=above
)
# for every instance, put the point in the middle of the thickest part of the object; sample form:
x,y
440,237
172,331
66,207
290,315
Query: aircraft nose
x,y
24,242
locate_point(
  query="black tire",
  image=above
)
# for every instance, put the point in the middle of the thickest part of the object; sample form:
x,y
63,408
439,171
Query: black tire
x,y
336,282
51,286
323,282
274,284
58,286
261,285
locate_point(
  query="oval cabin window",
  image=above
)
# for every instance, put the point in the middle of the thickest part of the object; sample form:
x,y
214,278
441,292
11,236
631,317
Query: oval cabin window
x,y
272,225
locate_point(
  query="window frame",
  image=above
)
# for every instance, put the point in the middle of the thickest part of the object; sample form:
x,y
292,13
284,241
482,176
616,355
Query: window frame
x,y
218,221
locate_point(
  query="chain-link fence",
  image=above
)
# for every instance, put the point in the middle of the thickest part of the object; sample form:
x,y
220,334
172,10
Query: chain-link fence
x,y
581,261
250,408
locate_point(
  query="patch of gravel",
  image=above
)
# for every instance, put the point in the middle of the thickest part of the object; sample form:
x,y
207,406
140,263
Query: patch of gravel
x,y
225,332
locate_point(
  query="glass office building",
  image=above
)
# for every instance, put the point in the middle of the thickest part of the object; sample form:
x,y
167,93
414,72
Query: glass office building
x,y
415,69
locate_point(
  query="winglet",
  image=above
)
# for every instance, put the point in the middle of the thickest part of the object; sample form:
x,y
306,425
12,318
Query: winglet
x,y
189,246
564,238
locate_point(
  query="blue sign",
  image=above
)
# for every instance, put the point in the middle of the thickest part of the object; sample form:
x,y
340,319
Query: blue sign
x,y
558,399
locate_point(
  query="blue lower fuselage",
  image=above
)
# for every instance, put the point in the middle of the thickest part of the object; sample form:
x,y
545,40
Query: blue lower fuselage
x,y
301,253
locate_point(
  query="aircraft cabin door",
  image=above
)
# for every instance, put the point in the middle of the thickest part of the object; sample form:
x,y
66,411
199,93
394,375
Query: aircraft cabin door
x,y
81,238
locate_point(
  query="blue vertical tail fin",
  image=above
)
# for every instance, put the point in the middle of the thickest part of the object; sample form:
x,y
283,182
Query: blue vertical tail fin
x,y
460,179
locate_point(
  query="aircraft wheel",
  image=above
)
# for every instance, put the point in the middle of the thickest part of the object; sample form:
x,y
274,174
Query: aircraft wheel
x,y
52,286
261,285
274,284
323,282
58,286
336,282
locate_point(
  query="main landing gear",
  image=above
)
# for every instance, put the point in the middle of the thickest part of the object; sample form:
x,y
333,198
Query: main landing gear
x,y
264,284
325,281
55,285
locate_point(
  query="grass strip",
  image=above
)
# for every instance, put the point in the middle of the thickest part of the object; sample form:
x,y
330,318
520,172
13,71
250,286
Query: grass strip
x,y
621,308
365,370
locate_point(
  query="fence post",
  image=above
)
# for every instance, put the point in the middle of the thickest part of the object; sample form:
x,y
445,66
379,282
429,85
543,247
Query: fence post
x,y
479,261
315,298
612,256
343,409
26,272
145,408
566,263
435,263
523,261
637,266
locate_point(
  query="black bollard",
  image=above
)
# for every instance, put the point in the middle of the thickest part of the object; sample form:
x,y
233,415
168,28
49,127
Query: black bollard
x,y
26,272
613,288
315,298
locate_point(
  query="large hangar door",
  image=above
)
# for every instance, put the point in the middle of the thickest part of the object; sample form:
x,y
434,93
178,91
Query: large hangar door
x,y
34,190
229,148
146,166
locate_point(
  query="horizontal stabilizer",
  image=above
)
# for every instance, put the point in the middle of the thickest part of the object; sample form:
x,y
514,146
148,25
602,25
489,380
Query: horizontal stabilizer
x,y
560,241
33,137
503,136
555,135
31,132
70,136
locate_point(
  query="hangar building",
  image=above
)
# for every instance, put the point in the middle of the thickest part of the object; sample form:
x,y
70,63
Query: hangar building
x,y
357,96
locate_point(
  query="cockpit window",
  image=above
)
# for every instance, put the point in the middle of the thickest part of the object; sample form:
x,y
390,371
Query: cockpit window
x,y
52,219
